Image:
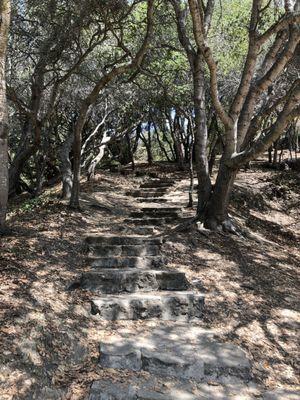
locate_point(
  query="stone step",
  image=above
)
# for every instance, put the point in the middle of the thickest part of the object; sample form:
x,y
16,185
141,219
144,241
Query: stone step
x,y
151,200
145,194
133,280
136,387
162,209
206,360
155,190
168,215
148,221
125,262
156,185
143,230
125,250
122,240
167,306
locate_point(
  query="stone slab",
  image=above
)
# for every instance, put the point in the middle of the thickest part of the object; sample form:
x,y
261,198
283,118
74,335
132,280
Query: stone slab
x,y
167,306
191,345
140,388
168,364
168,215
147,221
125,250
120,357
125,262
133,280
152,193
106,390
121,240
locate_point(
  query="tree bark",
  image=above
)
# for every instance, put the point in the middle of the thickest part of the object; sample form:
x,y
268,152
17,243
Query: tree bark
x,y
216,212
66,167
4,184
201,159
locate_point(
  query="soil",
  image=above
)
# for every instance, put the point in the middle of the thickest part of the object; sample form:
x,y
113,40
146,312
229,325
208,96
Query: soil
x,y
50,342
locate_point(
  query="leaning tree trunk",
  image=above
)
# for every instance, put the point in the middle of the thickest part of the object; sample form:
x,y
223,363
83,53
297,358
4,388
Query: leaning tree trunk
x,y
4,185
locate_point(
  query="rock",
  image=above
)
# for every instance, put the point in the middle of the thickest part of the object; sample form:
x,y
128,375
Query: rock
x,y
47,393
29,351
120,357
221,359
105,390
167,364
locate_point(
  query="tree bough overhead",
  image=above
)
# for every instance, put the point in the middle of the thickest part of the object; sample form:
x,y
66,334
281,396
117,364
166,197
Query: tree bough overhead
x,y
4,29
125,62
270,51
206,85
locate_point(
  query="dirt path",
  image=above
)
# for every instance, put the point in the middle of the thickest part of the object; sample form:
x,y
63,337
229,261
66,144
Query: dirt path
x,y
49,340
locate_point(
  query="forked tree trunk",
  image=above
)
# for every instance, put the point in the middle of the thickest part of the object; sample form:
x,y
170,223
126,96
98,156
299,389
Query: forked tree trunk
x,y
4,185
216,211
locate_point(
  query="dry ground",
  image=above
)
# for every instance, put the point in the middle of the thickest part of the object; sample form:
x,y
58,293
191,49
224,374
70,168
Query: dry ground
x,y
49,342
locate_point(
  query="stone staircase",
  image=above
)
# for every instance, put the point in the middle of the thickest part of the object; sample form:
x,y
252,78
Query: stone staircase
x,y
131,281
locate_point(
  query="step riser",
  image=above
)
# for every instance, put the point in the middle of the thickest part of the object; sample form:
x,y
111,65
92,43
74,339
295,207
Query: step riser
x,y
158,215
116,241
143,230
123,262
170,309
148,221
157,185
161,209
112,283
124,251
147,195
151,200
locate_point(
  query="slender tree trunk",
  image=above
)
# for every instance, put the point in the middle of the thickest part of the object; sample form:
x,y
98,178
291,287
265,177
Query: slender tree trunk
x,y
127,136
204,182
66,167
191,166
74,200
162,147
270,151
4,184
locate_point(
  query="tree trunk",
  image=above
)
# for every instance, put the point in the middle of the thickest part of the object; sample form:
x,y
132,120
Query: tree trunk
x,y
127,136
4,183
216,212
66,167
191,166
204,182
74,200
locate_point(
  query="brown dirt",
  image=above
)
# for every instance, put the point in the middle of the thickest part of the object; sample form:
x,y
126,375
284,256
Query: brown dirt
x,y
48,340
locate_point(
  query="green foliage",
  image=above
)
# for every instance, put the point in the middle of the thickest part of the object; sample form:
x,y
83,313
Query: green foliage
x,y
229,34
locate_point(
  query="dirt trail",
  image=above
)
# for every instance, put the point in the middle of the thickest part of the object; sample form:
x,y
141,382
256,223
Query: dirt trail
x,y
49,340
